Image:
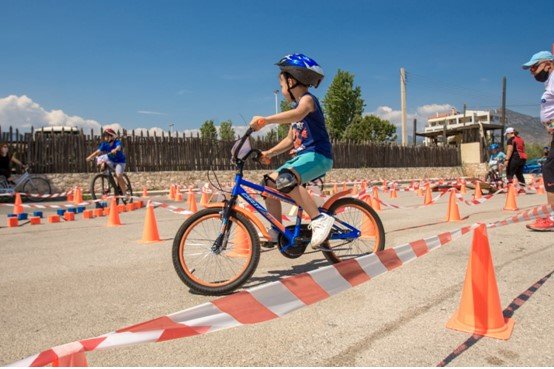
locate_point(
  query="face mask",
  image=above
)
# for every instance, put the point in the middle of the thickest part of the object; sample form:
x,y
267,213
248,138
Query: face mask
x,y
542,76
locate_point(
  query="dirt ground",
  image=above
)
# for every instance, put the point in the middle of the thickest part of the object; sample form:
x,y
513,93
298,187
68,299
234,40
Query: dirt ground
x,y
74,280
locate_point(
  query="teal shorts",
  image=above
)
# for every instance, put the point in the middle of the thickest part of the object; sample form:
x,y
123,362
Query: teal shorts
x,y
308,166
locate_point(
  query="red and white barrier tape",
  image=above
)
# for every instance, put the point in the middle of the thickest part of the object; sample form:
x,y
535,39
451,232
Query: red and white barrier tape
x,y
266,302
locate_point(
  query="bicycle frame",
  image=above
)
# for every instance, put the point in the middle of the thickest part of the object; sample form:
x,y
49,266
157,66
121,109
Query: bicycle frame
x,y
347,232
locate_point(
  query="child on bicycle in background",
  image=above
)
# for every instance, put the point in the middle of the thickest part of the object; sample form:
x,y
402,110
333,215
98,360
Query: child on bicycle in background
x,y
497,157
5,162
307,139
116,159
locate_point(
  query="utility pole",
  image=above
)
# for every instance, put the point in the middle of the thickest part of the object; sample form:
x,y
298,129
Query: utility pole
x,y
503,118
403,106
276,92
415,128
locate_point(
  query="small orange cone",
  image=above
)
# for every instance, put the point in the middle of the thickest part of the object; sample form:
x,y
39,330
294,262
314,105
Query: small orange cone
x,y
178,196
453,213
150,232
511,203
419,192
355,190
375,203
78,197
17,205
113,218
480,311
478,194
344,186
192,201
70,196
240,242
463,189
364,185
144,192
172,192
393,194
204,199
335,189
428,196
385,187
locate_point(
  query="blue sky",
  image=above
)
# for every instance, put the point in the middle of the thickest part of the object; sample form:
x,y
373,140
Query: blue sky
x,y
189,61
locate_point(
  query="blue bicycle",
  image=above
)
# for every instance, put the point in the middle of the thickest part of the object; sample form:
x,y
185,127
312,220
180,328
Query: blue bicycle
x,y
217,249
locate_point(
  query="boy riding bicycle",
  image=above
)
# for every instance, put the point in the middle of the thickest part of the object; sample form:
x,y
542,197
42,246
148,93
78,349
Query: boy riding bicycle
x,y
115,158
307,139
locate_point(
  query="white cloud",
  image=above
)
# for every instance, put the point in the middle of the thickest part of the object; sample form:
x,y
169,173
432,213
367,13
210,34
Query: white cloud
x,y
23,113
422,113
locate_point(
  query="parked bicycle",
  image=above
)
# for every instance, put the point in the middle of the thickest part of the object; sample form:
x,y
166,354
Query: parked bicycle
x,y
29,185
217,249
104,183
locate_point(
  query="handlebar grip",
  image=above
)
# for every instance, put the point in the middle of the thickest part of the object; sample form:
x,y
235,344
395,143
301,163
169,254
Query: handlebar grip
x,y
261,122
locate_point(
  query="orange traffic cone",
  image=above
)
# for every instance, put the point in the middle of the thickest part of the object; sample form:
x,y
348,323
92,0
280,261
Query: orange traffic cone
x,y
172,192
144,192
355,190
70,195
240,242
78,197
344,186
113,218
480,311
419,192
453,213
428,196
540,188
511,203
364,185
375,203
385,186
17,205
393,194
192,201
478,194
463,189
335,189
150,232
204,199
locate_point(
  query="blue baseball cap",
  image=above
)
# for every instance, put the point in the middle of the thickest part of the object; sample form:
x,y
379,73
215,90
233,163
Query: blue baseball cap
x,y
538,57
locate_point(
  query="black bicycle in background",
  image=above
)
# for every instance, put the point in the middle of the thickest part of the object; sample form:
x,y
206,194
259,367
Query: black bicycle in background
x,y
104,184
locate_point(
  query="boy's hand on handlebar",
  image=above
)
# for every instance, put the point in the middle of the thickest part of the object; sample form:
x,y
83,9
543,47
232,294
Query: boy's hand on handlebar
x,y
257,123
264,158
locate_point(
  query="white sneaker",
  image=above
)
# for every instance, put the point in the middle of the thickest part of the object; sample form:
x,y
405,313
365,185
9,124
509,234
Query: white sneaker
x,y
321,227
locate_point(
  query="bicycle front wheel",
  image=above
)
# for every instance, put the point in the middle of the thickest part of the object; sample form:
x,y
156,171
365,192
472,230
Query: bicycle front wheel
x,y
353,213
36,188
218,272
101,186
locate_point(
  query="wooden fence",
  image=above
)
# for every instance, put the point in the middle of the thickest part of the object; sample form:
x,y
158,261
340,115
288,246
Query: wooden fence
x,y
66,153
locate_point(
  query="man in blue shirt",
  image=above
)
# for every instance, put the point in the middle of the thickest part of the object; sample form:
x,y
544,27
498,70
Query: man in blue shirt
x,y
112,150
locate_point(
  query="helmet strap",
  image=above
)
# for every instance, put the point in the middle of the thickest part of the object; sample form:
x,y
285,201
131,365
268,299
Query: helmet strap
x,y
289,87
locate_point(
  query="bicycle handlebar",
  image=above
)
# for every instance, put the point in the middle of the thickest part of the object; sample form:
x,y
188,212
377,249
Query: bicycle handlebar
x,y
247,134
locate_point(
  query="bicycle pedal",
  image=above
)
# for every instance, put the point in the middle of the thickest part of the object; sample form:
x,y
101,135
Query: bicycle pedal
x,y
268,244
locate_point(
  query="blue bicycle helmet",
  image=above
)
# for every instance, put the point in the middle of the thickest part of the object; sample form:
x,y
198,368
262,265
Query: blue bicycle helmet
x,y
302,68
493,147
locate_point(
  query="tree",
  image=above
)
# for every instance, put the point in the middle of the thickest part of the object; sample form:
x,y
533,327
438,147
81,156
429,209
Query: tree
x,y
208,130
370,128
342,103
271,135
226,131
283,129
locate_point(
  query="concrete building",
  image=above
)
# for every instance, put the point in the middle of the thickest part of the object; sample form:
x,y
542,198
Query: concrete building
x,y
471,131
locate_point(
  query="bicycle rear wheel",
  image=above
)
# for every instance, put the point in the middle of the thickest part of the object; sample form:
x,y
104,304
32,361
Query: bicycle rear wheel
x,y
211,272
38,187
351,212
